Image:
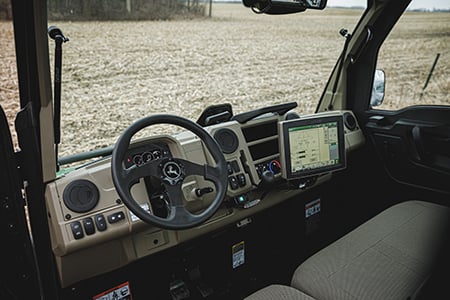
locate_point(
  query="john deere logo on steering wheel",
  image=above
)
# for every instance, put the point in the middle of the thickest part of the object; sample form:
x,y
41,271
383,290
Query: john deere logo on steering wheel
x,y
172,172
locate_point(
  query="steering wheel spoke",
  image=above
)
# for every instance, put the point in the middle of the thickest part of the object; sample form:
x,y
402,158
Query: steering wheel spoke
x,y
208,172
133,174
175,195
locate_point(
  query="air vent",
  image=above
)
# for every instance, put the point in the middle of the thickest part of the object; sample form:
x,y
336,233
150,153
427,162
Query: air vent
x,y
260,131
81,196
262,140
227,140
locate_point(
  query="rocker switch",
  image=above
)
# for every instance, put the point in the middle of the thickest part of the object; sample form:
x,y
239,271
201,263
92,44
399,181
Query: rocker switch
x,y
233,182
241,180
88,225
100,222
77,230
116,217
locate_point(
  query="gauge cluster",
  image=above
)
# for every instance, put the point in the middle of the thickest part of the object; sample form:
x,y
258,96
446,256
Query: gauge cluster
x,y
141,155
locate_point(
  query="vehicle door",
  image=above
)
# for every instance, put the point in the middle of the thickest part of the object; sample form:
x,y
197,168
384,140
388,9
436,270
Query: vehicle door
x,y
407,120
27,260
18,271
410,128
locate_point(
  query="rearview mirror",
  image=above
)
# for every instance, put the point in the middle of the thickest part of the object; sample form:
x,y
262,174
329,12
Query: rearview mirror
x,y
379,82
276,7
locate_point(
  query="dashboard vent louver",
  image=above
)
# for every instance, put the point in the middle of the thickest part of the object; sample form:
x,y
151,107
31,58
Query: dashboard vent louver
x,y
262,140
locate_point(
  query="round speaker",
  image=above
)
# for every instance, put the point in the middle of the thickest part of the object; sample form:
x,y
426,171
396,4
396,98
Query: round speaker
x,y
81,196
349,121
227,140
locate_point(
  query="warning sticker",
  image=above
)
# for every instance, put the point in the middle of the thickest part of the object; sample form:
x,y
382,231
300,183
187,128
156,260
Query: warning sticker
x,y
120,292
312,208
238,254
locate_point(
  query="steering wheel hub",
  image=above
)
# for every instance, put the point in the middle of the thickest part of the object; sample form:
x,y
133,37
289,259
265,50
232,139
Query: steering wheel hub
x,y
172,172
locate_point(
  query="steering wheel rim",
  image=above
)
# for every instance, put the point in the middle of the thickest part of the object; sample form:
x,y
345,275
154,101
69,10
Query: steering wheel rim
x,y
179,217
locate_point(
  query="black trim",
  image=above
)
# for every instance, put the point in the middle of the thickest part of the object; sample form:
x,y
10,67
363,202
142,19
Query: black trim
x,y
280,109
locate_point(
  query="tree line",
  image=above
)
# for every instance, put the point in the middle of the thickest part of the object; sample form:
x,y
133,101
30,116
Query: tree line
x,y
85,10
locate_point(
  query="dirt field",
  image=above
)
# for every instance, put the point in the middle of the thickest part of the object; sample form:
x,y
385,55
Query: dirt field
x,y
116,72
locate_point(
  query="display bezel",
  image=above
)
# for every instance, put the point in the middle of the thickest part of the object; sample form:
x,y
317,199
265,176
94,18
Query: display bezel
x,y
285,146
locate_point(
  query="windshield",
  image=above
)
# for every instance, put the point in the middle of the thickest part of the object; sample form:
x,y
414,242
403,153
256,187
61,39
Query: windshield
x,y
115,72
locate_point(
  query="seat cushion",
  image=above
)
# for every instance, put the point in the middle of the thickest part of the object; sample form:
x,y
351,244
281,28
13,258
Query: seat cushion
x,y
278,292
388,257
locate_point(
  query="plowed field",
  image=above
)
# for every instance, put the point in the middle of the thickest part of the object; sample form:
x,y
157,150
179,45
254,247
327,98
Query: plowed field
x,y
116,72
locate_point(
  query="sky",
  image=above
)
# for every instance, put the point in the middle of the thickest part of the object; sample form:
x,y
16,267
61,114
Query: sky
x,y
415,4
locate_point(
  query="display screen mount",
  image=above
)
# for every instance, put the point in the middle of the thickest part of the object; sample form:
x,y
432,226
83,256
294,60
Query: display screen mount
x,y
312,146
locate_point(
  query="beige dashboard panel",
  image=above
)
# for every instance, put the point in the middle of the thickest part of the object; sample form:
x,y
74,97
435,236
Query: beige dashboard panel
x,y
126,238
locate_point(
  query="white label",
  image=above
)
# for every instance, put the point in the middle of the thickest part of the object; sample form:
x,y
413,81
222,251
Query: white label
x,y
312,208
120,292
238,254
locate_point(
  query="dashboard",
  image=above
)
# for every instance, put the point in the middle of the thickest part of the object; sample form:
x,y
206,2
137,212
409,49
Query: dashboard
x,y
88,218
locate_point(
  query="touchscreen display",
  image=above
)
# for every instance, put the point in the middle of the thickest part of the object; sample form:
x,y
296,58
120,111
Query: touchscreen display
x,y
312,146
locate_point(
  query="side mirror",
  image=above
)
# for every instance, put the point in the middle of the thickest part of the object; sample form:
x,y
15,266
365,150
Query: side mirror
x,y
379,82
278,7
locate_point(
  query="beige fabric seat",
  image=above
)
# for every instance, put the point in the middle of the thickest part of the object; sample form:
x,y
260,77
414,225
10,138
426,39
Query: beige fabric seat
x,y
388,257
279,292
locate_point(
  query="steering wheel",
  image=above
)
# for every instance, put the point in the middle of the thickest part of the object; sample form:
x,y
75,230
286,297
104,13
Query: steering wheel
x,y
171,172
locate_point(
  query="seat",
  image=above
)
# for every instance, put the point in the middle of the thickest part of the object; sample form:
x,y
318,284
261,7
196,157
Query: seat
x,y
390,256
279,292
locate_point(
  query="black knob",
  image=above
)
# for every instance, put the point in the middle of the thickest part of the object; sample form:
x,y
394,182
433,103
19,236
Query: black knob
x,y
267,177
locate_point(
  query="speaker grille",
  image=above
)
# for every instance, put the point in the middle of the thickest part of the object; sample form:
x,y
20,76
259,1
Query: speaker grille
x,y
81,196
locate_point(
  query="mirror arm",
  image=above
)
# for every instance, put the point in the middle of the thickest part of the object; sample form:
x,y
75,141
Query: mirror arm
x,y
56,34
344,32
